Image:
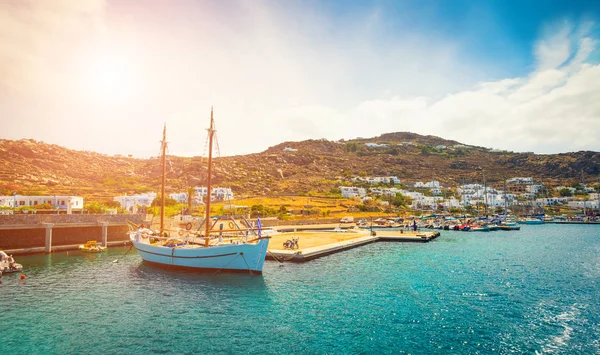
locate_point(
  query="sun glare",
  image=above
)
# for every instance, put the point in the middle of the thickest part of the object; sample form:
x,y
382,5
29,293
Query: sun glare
x,y
109,79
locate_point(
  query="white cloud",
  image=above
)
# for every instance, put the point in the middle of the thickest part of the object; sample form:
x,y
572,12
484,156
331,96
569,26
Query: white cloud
x,y
555,48
550,111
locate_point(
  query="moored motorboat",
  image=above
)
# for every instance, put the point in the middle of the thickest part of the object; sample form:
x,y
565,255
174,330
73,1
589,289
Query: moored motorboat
x,y
8,264
479,228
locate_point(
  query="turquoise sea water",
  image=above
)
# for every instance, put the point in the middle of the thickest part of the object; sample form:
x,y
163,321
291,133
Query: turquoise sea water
x,y
532,291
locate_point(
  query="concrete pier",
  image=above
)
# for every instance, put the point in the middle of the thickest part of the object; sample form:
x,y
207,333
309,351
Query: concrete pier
x,y
105,234
353,240
48,245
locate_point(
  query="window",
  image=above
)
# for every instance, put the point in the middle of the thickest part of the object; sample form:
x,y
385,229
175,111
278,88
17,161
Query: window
x,y
35,203
21,203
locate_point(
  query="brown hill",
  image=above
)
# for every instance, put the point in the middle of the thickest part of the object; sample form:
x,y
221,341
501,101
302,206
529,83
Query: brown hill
x,y
31,167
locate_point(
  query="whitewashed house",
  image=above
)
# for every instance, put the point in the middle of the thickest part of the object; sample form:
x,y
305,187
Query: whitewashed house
x,y
66,203
131,203
217,193
376,145
351,191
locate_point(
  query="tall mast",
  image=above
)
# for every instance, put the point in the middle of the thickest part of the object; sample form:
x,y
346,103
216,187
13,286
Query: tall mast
x,y
211,133
505,201
485,195
163,152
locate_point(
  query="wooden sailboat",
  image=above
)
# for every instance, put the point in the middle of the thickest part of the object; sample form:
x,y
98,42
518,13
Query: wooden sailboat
x,y
206,253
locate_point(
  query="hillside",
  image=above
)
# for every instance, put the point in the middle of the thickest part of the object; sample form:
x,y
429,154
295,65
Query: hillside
x,y
31,167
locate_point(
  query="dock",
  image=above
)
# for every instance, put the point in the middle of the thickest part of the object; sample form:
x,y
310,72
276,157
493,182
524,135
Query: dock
x,y
318,244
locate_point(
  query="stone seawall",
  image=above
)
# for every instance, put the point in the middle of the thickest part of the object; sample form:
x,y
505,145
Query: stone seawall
x,y
46,231
35,237
69,218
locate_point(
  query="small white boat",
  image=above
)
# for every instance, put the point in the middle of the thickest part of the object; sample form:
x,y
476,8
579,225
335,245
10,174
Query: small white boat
x,y
8,264
91,246
478,228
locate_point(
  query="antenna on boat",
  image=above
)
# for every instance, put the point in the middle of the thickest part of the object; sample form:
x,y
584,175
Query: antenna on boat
x,y
211,132
163,152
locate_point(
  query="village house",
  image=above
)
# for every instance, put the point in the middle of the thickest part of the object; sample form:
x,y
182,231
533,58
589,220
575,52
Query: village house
x,y
66,203
350,192
133,202
376,145
217,193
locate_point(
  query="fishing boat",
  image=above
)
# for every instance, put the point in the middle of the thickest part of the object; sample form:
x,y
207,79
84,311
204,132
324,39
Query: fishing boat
x,y
509,224
208,250
479,228
533,221
493,227
91,246
8,264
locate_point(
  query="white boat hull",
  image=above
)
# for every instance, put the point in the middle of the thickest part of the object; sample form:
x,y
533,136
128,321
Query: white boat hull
x,y
246,257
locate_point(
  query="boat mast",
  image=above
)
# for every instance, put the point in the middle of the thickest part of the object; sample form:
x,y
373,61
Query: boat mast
x,y
163,152
211,133
485,196
505,201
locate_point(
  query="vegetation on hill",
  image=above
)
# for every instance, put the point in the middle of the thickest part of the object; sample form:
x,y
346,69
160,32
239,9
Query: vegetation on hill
x,y
310,168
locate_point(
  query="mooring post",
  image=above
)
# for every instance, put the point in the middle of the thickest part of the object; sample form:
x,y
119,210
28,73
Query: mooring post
x,y
105,234
48,245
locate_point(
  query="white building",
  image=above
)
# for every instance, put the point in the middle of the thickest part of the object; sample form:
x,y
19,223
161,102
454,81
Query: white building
x,y
383,192
452,203
131,203
430,184
217,193
376,145
288,149
583,204
520,180
551,201
427,202
534,189
180,197
66,203
377,179
349,192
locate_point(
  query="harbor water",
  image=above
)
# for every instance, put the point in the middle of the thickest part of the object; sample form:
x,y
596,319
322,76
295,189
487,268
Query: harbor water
x,y
531,291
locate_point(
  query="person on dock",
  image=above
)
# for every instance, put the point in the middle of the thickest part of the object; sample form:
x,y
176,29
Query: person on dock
x,y
414,225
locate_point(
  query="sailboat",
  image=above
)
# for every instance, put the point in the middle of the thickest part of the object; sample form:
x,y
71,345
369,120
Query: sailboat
x,y
202,252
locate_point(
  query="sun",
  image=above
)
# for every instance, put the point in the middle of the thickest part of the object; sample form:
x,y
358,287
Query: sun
x,y
109,79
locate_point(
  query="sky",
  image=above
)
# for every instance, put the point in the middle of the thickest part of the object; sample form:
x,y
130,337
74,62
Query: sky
x,y
105,76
